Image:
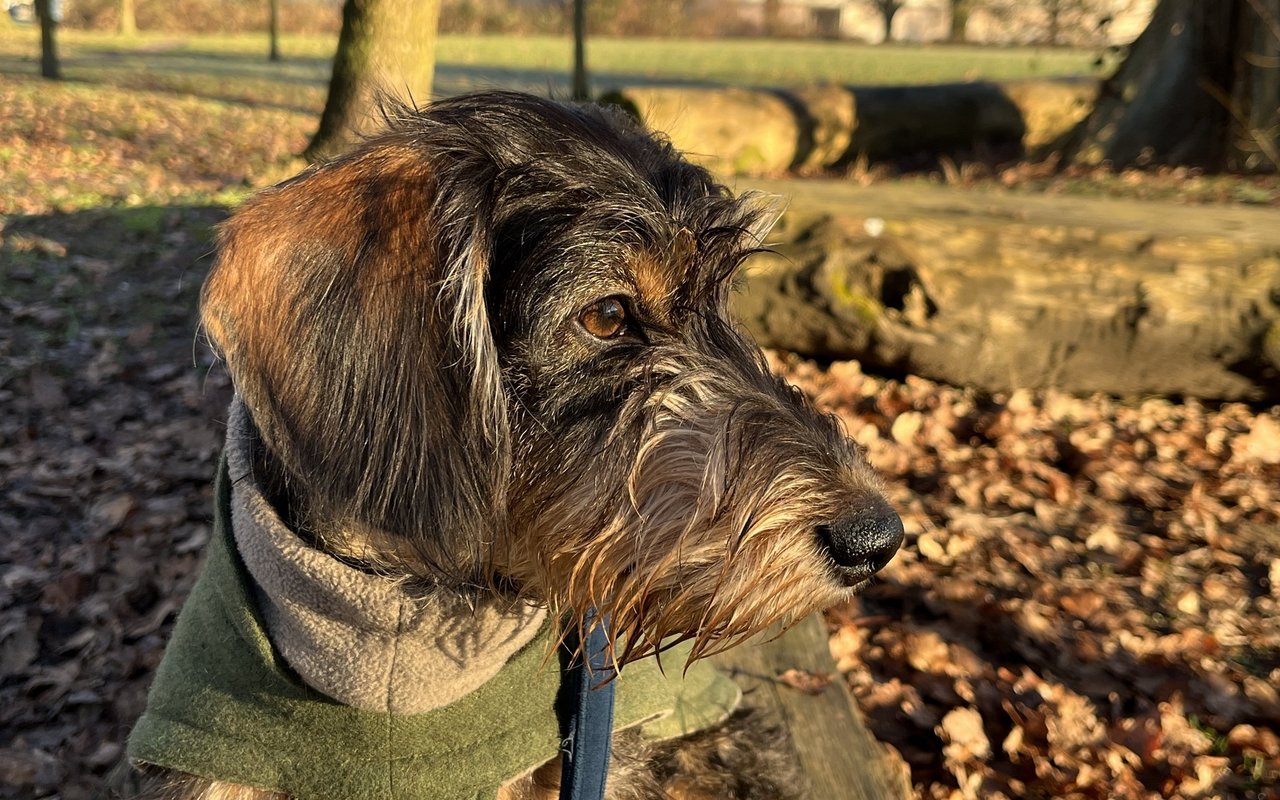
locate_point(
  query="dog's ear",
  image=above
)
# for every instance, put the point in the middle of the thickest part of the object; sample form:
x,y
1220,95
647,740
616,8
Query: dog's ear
x,y
349,306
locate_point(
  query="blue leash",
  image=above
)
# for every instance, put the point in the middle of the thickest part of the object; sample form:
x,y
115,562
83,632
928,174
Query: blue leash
x,y
585,707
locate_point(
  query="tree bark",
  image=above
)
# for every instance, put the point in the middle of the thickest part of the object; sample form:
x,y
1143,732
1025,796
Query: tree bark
x,y
128,18
273,29
387,47
49,65
1200,86
772,22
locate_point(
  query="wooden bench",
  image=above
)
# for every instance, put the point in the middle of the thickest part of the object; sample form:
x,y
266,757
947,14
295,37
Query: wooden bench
x,y
838,754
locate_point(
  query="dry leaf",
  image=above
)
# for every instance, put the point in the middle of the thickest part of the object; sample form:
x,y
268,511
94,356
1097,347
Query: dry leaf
x,y
805,681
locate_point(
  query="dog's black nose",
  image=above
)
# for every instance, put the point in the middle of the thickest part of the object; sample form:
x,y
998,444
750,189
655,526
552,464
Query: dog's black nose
x,y
863,542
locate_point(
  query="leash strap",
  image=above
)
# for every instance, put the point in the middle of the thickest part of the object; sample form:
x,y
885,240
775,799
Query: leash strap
x,y
587,700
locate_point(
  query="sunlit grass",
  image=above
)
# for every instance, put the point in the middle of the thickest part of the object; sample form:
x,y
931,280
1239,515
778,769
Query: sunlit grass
x,y
160,118
758,61
187,62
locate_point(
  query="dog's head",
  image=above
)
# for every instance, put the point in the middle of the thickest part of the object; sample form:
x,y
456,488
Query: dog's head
x,y
489,347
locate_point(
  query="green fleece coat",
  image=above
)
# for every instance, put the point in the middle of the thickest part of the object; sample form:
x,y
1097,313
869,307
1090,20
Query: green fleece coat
x,y
226,706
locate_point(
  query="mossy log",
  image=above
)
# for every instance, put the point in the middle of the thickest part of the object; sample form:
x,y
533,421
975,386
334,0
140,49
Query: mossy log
x,y
1001,290
768,131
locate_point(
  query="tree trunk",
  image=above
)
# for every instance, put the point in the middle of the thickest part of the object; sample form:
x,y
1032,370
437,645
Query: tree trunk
x,y
1200,86
889,11
49,66
735,130
273,26
128,19
1255,96
1053,28
960,10
386,47
581,86
772,17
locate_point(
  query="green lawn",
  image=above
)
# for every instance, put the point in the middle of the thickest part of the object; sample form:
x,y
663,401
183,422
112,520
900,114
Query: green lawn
x,y
751,61
163,118
532,63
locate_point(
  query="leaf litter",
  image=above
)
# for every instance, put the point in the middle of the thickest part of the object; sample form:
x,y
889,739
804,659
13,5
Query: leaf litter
x,y
1086,603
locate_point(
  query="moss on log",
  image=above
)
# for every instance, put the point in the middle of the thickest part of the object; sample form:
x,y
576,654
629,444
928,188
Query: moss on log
x,y
1003,291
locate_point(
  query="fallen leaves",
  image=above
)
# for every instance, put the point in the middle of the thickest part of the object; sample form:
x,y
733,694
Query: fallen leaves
x,y
109,442
75,145
805,681
1086,605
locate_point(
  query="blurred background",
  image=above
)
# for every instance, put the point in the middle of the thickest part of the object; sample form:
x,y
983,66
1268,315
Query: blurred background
x,y
1031,260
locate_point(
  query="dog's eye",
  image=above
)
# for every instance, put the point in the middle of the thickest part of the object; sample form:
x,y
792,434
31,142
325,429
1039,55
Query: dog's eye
x,y
604,319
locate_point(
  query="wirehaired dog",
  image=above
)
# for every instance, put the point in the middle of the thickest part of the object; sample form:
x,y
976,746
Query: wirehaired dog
x,y
485,356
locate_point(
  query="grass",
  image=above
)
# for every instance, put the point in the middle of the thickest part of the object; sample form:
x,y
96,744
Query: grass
x,y
162,118
166,118
534,63
753,61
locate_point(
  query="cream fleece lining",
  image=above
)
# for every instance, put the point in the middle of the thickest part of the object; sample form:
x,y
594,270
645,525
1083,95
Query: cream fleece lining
x,y
363,640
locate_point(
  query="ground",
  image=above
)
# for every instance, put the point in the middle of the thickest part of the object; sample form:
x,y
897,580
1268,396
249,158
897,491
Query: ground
x,y
1087,605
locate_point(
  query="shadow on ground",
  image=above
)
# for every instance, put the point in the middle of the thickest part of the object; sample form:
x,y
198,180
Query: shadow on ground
x,y
111,434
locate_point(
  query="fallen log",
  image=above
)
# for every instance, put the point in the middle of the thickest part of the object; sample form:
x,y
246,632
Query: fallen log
x,y
1003,290
794,678
745,131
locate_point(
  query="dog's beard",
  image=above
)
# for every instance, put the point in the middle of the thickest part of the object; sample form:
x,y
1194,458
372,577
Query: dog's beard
x,y
710,533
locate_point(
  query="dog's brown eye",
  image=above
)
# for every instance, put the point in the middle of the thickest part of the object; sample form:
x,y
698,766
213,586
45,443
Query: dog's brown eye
x,y
605,318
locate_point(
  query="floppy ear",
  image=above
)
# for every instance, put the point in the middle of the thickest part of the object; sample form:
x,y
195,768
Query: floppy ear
x,y
351,315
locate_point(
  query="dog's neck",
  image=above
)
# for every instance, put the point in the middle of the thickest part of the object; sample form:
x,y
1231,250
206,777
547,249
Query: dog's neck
x,y
365,640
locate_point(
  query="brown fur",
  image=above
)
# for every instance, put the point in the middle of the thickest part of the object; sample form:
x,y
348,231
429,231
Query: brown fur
x,y
404,327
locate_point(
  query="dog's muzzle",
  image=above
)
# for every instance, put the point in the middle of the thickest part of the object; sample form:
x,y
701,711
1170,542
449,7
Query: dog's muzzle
x,y
862,543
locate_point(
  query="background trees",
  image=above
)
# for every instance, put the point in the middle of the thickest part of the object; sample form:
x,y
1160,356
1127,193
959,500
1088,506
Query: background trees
x,y
49,65
887,9
385,46
1201,85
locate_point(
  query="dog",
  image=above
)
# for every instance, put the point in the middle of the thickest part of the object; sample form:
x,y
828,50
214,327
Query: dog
x,y
485,375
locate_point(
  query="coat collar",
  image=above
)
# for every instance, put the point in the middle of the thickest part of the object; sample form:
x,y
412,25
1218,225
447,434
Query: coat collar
x,y
367,642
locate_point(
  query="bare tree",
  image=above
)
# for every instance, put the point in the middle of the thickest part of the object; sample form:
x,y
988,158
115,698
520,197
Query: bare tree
x,y
581,86
1076,22
1079,23
49,65
887,9
1201,85
385,46
1053,10
772,22
960,10
128,18
273,29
